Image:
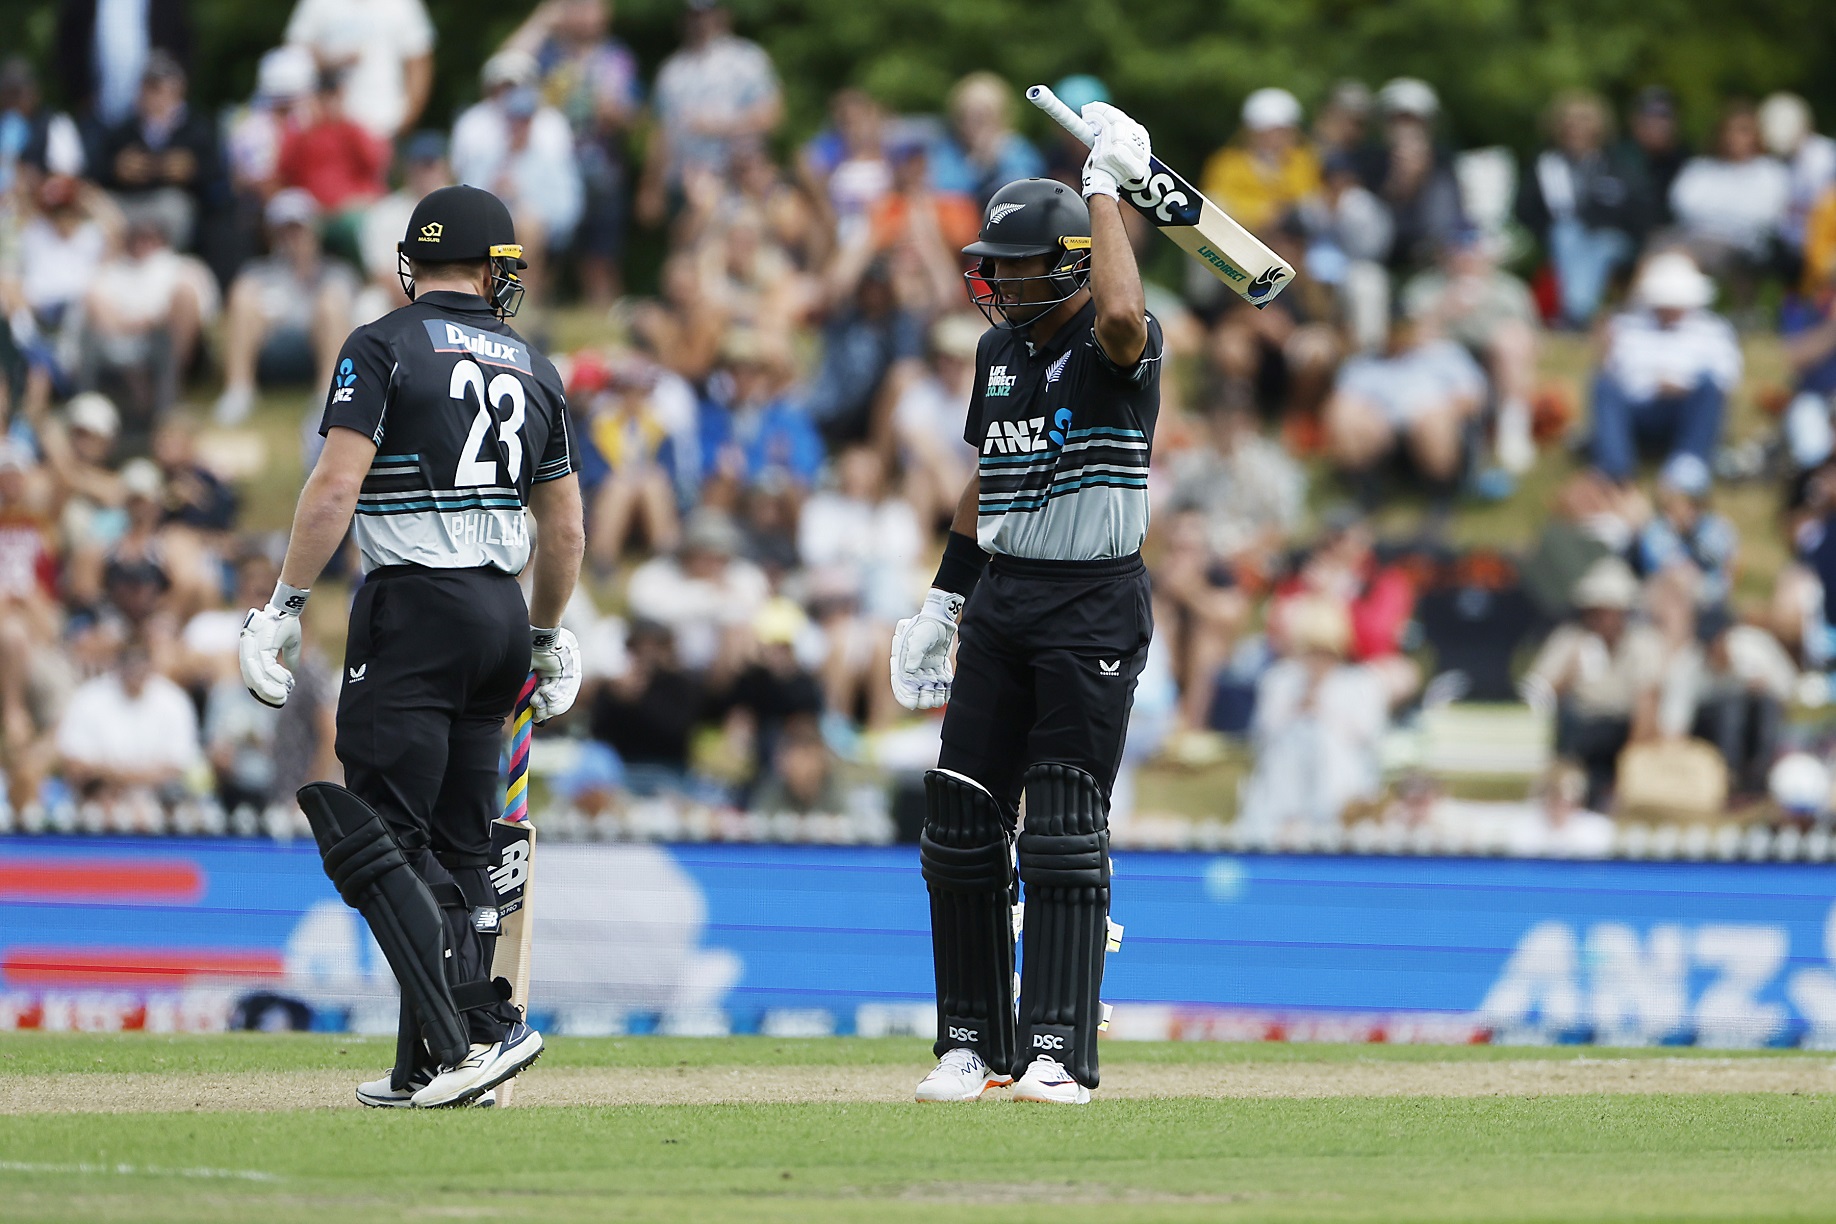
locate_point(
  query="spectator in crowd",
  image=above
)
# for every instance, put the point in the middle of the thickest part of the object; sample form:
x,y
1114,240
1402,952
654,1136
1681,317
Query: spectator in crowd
x,y
1557,823
25,127
1686,533
1417,397
1656,147
1342,125
1743,683
1319,721
1468,298
682,327
161,161
1268,170
339,161
1410,176
1730,206
982,153
1587,203
592,79
927,420
648,713
861,546
424,170
1378,598
1600,675
1667,371
29,614
288,312
1809,157
1202,608
284,85
1349,233
1248,492
871,348
640,441
921,228
753,433
802,779
717,92
129,729
142,317
845,166
61,248
1809,329
79,453
382,51
705,593
774,695
102,57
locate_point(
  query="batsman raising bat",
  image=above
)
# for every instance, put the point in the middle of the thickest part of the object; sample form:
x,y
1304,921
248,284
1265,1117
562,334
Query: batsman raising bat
x,y
1042,576
444,431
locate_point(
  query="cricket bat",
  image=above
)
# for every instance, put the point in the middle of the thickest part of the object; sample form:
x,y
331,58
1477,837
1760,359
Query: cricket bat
x,y
1199,227
513,853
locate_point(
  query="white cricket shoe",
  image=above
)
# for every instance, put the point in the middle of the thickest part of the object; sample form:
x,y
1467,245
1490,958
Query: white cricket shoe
x,y
1047,1080
381,1094
487,1065
961,1075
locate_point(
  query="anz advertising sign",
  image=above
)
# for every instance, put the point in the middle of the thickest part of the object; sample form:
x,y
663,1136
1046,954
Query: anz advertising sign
x,y
101,933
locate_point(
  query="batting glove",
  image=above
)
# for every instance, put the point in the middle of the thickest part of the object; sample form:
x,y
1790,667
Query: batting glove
x,y
921,670
269,648
554,655
1119,153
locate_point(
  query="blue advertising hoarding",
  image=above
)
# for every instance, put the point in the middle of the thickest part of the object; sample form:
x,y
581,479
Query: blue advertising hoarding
x,y
791,939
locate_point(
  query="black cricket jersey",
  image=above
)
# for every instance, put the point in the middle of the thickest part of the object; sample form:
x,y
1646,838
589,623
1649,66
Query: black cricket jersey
x,y
466,417
1064,436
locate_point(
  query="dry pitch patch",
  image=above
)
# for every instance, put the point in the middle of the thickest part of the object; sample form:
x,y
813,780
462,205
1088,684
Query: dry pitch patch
x,y
283,1090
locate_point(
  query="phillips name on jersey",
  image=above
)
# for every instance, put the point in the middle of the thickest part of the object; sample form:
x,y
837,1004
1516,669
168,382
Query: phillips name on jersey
x,y
466,418
1064,435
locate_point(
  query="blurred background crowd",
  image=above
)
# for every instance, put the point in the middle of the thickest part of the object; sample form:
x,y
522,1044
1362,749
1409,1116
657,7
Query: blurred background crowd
x,y
1509,520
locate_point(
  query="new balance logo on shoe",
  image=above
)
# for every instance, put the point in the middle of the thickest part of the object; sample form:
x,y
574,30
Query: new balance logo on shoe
x,y
357,673
1110,667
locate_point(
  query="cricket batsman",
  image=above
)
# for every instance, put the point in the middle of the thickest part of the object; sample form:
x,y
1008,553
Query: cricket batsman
x,y
1043,577
442,429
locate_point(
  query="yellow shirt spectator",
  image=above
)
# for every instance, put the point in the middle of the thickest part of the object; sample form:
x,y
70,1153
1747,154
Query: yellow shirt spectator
x,y
1269,169
1820,243
1257,191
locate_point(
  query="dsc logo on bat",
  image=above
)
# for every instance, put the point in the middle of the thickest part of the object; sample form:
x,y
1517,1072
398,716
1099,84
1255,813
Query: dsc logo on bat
x,y
1163,195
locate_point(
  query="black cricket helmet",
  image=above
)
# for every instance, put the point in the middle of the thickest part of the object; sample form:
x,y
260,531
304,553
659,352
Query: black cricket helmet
x,y
1034,216
465,225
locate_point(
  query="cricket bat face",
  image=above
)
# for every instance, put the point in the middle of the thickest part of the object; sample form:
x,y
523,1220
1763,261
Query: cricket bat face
x,y
1233,254
1208,233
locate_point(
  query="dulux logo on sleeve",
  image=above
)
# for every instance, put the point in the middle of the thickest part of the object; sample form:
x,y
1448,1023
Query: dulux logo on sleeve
x,y
486,347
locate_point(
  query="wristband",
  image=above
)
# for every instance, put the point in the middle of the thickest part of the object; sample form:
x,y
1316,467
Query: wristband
x,y
962,565
288,600
543,639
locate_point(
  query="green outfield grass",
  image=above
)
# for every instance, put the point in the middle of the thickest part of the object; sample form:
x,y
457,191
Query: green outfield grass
x,y
1366,1158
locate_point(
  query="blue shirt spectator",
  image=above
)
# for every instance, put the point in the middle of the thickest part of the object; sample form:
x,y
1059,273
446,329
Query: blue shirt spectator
x,y
982,153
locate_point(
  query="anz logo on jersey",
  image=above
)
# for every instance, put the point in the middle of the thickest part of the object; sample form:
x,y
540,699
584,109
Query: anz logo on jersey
x,y
1026,436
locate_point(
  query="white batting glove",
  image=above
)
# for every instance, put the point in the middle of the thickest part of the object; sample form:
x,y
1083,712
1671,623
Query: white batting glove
x,y
921,670
1119,154
554,656
269,648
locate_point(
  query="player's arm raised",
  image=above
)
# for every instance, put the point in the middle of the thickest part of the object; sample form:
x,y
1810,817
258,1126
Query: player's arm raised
x,y
1119,156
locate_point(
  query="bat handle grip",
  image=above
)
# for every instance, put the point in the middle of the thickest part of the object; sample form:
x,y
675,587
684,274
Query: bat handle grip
x,y
1066,118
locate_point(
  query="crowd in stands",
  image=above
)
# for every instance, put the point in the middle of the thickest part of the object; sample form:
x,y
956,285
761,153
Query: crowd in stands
x,y
772,437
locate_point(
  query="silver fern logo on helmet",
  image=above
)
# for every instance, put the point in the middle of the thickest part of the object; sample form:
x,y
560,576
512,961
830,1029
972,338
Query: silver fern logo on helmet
x,y
1000,212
